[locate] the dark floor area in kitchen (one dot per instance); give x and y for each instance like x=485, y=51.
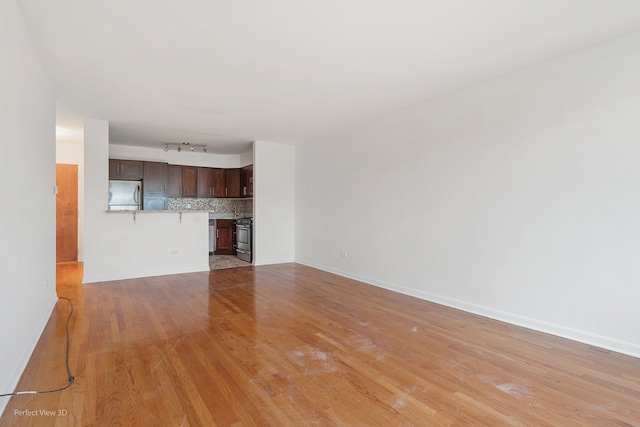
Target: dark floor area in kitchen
x=218, y=262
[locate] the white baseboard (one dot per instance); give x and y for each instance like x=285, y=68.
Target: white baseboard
x=585, y=337
x=19, y=368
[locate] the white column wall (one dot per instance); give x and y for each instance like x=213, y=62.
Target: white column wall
x=274, y=203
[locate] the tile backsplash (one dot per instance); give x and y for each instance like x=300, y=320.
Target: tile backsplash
x=232, y=206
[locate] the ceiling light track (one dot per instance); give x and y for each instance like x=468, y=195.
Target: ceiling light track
x=179, y=146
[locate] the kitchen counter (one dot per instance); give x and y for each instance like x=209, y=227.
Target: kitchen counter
x=212, y=215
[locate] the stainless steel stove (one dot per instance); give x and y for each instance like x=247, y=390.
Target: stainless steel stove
x=243, y=238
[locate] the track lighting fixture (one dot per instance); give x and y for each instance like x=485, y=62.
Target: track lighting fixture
x=180, y=145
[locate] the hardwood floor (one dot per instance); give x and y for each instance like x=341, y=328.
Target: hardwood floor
x=289, y=345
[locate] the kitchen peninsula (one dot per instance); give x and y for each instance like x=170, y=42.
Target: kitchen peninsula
x=224, y=194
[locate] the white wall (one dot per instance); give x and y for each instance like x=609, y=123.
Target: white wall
x=116, y=247
x=517, y=199
x=184, y=158
x=274, y=203
x=73, y=154
x=27, y=229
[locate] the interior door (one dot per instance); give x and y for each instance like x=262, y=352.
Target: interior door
x=67, y=213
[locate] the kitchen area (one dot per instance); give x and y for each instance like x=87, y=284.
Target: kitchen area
x=226, y=194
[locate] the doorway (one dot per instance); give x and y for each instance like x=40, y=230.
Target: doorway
x=67, y=213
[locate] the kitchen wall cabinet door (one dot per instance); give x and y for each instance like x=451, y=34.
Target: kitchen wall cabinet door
x=154, y=186
x=125, y=169
x=174, y=186
x=232, y=182
x=224, y=237
x=189, y=181
x=155, y=179
x=205, y=189
x=218, y=182
x=246, y=181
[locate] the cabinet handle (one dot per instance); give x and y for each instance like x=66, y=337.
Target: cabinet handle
x=244, y=190
x=217, y=233
x=226, y=191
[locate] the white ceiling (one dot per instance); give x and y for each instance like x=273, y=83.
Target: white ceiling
x=228, y=72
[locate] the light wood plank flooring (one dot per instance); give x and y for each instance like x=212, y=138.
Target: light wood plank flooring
x=289, y=345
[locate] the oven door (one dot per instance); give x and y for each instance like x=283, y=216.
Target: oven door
x=243, y=238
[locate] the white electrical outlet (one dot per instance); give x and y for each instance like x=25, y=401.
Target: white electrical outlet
x=174, y=252
x=46, y=283
x=343, y=254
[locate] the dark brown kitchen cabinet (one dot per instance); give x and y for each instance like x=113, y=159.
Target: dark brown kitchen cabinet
x=155, y=179
x=125, y=169
x=174, y=184
x=218, y=182
x=154, y=186
x=246, y=181
x=205, y=188
x=224, y=237
x=189, y=181
x=232, y=182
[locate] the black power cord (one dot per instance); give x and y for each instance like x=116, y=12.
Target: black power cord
x=71, y=378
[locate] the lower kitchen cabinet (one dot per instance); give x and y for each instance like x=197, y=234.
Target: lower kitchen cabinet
x=224, y=237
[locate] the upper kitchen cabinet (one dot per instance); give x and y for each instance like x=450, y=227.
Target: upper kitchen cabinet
x=154, y=186
x=232, y=182
x=125, y=169
x=189, y=181
x=218, y=181
x=174, y=184
x=246, y=181
x=205, y=189
x=155, y=178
